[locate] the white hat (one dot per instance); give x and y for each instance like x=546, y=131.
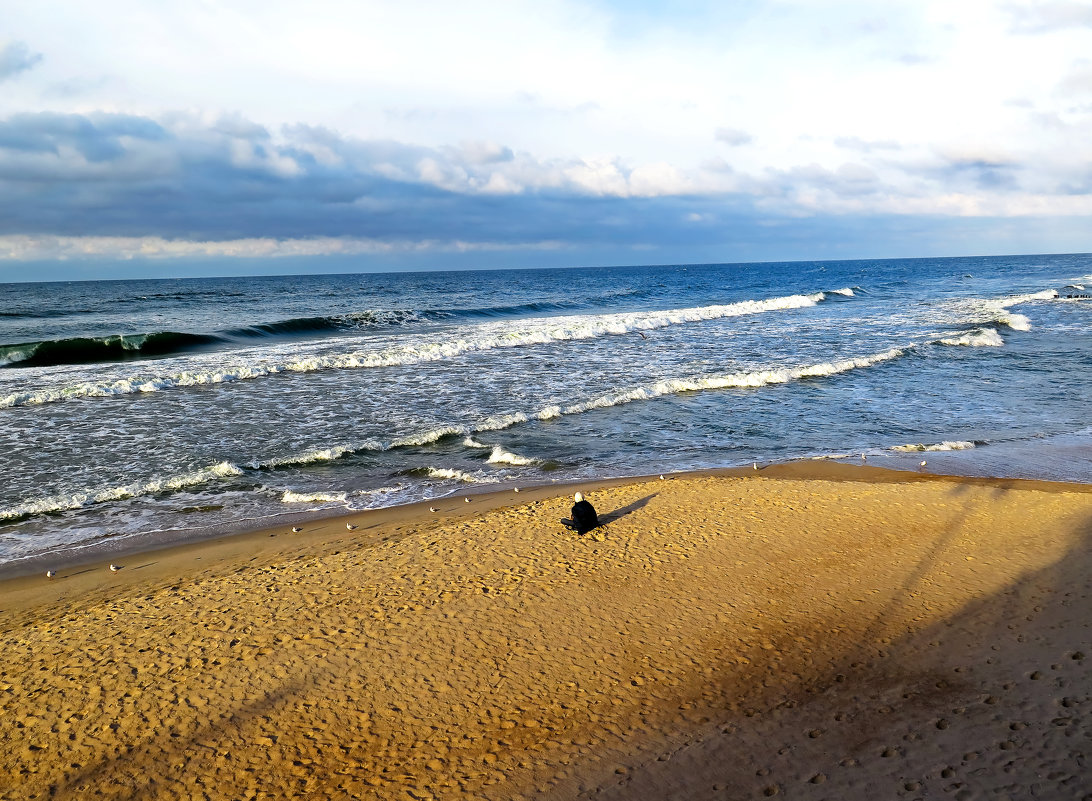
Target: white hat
x=578, y=497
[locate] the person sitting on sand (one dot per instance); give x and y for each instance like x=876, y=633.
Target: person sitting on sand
x=584, y=518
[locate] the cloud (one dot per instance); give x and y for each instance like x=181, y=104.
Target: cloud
x=49, y=247
x=861, y=145
x=16, y=57
x=1047, y=17
x=1078, y=81
x=732, y=136
x=82, y=186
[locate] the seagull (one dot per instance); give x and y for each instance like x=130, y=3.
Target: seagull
x=516, y=489
x=466, y=500
x=115, y=568
x=433, y=509
x=50, y=574
x=350, y=527
x=864, y=457
x=662, y=478
x=296, y=529
x=922, y=463
x=754, y=465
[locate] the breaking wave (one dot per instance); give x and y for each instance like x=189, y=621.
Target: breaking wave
x=314, y=497
x=488, y=337
x=979, y=338
x=940, y=446
x=498, y=455
x=502, y=456
x=749, y=380
x=55, y=504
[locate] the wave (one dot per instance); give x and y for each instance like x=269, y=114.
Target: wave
x=502, y=456
x=314, y=455
x=314, y=497
x=536, y=332
x=985, y=312
x=449, y=474
x=748, y=380
x=159, y=344
x=1019, y=322
x=1015, y=300
x=88, y=350
x=499, y=455
x=979, y=338
x=957, y=445
x=55, y=504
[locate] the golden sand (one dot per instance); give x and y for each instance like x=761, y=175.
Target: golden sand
x=815, y=632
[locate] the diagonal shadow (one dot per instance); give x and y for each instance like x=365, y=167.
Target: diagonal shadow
x=621, y=512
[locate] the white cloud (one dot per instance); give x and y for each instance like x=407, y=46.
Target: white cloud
x=16, y=57
x=38, y=248
x=838, y=106
x=732, y=136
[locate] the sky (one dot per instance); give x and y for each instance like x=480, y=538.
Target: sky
x=231, y=137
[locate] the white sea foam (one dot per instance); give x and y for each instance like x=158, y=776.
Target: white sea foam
x=12, y=355
x=1019, y=322
x=985, y=311
x=307, y=457
x=979, y=338
x=313, y=497
x=470, y=442
x=454, y=475
x=428, y=437
x=1015, y=300
x=78, y=500
x=754, y=379
x=956, y=445
x=502, y=456
x=499, y=455
x=500, y=421
x=485, y=337
x=847, y=292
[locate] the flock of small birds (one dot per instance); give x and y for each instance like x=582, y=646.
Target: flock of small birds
x=351, y=527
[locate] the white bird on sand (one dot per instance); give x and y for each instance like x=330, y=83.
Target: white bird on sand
x=466, y=500
x=350, y=527
x=516, y=489
x=296, y=529
x=662, y=478
x=754, y=465
x=115, y=568
x=50, y=574
x=922, y=463
x=433, y=509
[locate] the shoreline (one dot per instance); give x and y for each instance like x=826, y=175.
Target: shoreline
x=818, y=630
x=326, y=524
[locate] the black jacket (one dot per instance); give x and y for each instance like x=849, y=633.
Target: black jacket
x=584, y=516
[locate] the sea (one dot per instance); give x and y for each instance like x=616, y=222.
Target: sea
x=144, y=411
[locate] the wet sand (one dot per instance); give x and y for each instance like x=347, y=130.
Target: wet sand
x=806, y=631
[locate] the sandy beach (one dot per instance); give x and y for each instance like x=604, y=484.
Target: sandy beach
x=806, y=631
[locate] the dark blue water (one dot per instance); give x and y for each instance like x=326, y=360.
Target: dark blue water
x=161, y=407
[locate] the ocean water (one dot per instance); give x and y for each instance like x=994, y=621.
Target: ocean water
x=183, y=408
